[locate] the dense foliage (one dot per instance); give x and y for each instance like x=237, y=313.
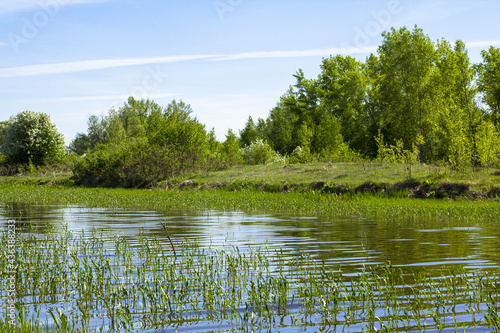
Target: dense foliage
x=141, y=143
x=422, y=97
x=31, y=138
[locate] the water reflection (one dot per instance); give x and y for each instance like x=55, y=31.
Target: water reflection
x=343, y=243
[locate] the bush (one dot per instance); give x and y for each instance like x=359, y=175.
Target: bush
x=277, y=158
x=30, y=138
x=260, y=152
x=300, y=155
x=143, y=143
x=132, y=164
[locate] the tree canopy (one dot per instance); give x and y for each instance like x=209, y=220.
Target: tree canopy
x=31, y=138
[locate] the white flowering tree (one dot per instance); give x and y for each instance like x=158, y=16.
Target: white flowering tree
x=31, y=138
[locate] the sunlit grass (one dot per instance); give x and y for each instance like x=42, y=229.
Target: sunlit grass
x=254, y=201
x=350, y=174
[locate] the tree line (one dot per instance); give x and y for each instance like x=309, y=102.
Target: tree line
x=415, y=99
x=415, y=95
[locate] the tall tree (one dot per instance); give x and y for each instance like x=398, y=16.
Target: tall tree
x=342, y=87
x=489, y=83
x=458, y=114
x=249, y=133
x=407, y=61
x=281, y=123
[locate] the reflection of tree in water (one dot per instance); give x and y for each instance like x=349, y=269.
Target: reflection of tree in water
x=400, y=242
x=36, y=218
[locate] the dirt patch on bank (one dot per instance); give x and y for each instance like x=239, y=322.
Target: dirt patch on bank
x=407, y=188
x=451, y=190
x=371, y=187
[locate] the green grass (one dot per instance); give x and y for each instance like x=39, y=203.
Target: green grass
x=350, y=174
x=69, y=283
x=254, y=201
x=243, y=193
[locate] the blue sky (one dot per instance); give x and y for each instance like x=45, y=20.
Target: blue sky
x=227, y=58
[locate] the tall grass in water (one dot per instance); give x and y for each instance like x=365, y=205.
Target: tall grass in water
x=101, y=282
x=304, y=204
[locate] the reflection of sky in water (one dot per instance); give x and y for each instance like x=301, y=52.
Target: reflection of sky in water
x=345, y=243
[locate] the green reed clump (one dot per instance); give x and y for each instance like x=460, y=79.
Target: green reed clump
x=253, y=201
x=93, y=282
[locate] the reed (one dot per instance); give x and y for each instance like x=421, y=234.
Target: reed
x=102, y=282
x=169, y=239
x=252, y=201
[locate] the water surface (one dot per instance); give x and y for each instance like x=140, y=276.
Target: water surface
x=349, y=245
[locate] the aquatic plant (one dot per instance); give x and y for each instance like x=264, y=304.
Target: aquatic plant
x=312, y=203
x=102, y=282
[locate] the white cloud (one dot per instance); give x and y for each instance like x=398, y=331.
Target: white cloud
x=78, y=66
x=298, y=53
x=483, y=43
x=3, y=44
x=101, y=98
x=10, y=6
x=87, y=65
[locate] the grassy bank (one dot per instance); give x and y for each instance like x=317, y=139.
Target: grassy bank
x=343, y=189
x=253, y=201
x=427, y=181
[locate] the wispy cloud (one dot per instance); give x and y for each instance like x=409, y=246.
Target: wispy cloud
x=297, y=53
x=101, y=98
x=87, y=65
x=11, y=6
x=483, y=43
x=79, y=66
x=3, y=44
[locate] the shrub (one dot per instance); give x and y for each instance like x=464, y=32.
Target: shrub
x=133, y=164
x=277, y=158
x=300, y=155
x=31, y=138
x=258, y=152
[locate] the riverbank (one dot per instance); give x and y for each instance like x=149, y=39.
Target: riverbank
x=348, y=179
x=252, y=201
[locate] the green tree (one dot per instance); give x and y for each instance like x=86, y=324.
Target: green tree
x=281, y=125
x=3, y=128
x=489, y=83
x=249, y=133
x=31, y=138
x=231, y=149
x=342, y=87
x=327, y=138
x=115, y=130
x=407, y=61
x=458, y=115
x=488, y=145
x=80, y=144
x=96, y=130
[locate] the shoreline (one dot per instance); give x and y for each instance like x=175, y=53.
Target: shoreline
x=349, y=179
